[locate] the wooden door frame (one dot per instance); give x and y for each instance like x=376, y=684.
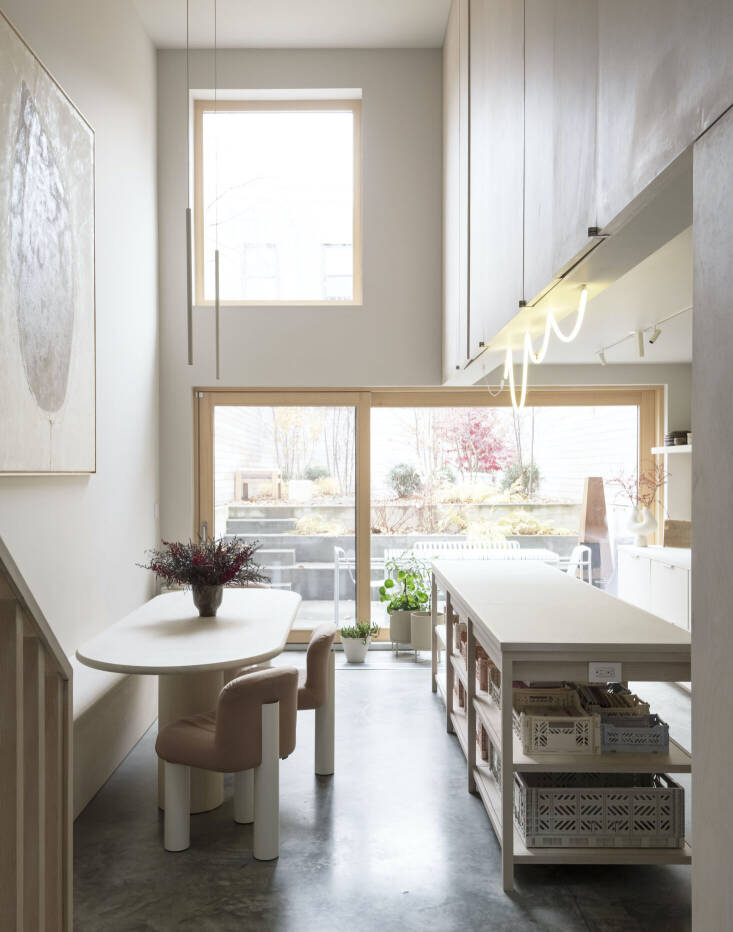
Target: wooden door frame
x=650, y=401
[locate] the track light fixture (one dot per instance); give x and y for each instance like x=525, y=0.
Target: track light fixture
x=655, y=334
x=602, y=357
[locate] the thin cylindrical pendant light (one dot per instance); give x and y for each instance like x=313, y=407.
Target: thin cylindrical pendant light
x=189, y=246
x=216, y=216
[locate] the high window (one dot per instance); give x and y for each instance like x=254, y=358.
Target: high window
x=277, y=191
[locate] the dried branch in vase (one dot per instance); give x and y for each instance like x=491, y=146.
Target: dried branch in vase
x=641, y=491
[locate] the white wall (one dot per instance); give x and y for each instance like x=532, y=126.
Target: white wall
x=395, y=338
x=76, y=539
x=712, y=592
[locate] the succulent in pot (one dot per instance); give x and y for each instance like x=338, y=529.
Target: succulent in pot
x=206, y=567
x=356, y=640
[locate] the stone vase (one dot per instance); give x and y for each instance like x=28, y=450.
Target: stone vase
x=207, y=599
x=641, y=523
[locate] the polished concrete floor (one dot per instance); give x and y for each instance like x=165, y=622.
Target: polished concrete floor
x=391, y=842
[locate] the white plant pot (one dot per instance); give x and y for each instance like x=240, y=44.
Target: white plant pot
x=641, y=523
x=356, y=649
x=421, y=629
x=400, y=627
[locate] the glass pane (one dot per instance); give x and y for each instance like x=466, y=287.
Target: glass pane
x=285, y=476
x=279, y=186
x=493, y=475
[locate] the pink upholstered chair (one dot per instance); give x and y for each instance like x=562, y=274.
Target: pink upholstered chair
x=316, y=691
x=252, y=728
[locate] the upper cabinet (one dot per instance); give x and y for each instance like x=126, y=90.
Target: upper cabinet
x=561, y=114
x=561, y=49
x=496, y=149
x=665, y=74
x=455, y=190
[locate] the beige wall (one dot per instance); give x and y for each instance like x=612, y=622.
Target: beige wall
x=76, y=539
x=395, y=338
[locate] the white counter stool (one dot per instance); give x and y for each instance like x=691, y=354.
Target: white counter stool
x=316, y=688
x=252, y=728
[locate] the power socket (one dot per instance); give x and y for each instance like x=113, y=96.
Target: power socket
x=604, y=672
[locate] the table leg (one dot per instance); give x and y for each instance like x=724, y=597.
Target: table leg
x=181, y=694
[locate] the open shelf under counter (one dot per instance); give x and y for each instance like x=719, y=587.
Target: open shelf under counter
x=460, y=669
x=488, y=790
x=538, y=625
x=676, y=760
x=677, y=448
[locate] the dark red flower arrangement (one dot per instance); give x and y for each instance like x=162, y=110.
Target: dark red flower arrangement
x=222, y=562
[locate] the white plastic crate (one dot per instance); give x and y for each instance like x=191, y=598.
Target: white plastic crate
x=553, y=720
x=599, y=810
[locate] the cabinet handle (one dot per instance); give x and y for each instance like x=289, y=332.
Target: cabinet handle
x=669, y=566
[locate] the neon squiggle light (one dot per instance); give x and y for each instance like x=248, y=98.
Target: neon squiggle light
x=529, y=355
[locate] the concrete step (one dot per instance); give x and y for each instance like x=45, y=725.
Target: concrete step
x=264, y=511
x=260, y=525
x=276, y=556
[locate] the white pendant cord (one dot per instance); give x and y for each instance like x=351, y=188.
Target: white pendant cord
x=189, y=243
x=216, y=208
x=528, y=354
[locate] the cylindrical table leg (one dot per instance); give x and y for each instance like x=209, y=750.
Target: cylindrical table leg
x=181, y=694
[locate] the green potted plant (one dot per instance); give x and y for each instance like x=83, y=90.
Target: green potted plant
x=356, y=640
x=405, y=590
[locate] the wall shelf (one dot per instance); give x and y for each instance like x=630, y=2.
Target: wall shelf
x=680, y=448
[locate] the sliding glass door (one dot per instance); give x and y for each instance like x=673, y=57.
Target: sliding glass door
x=332, y=483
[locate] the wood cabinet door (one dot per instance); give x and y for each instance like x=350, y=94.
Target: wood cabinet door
x=670, y=593
x=496, y=74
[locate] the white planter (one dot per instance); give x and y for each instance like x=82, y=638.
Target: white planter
x=399, y=627
x=421, y=629
x=356, y=649
x=641, y=523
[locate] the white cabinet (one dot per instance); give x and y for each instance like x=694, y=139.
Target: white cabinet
x=634, y=579
x=656, y=579
x=669, y=592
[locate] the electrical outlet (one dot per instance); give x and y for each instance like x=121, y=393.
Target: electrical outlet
x=604, y=672
x=156, y=511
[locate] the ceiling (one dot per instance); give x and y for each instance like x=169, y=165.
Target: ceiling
x=297, y=23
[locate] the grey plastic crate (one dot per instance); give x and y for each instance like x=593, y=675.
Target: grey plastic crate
x=641, y=734
x=599, y=810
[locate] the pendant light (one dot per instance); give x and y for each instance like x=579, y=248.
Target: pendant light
x=189, y=247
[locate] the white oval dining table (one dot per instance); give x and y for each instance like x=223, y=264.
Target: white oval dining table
x=193, y=657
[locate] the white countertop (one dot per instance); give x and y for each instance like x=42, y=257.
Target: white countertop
x=166, y=635
x=528, y=606
x=675, y=556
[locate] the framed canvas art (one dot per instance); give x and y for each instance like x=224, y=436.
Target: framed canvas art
x=47, y=303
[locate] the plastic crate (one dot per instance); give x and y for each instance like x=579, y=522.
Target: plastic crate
x=554, y=721
x=599, y=810
x=611, y=700
x=634, y=734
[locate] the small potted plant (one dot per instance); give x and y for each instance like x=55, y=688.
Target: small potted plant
x=405, y=591
x=356, y=640
x=206, y=567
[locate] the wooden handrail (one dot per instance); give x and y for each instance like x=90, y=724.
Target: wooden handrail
x=36, y=727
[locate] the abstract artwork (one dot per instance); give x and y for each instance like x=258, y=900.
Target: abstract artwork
x=47, y=312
